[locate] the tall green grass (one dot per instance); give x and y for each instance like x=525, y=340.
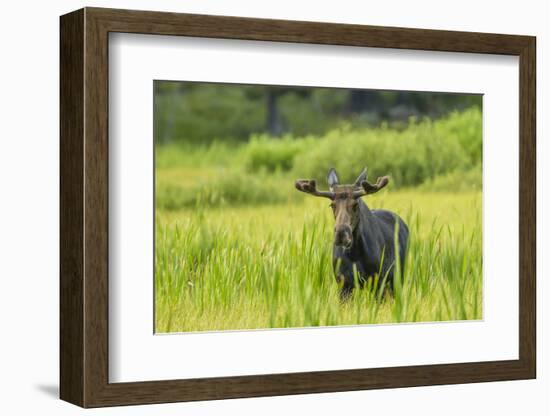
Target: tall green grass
x=270, y=266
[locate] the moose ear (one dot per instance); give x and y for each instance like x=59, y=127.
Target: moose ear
x=362, y=177
x=332, y=178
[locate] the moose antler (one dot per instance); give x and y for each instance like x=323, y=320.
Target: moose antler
x=380, y=183
x=309, y=186
x=369, y=188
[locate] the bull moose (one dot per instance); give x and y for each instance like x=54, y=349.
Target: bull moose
x=363, y=238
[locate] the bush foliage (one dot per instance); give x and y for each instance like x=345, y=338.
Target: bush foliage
x=414, y=155
x=441, y=155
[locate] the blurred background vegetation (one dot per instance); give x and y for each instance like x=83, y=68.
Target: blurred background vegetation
x=237, y=246
x=205, y=112
x=228, y=144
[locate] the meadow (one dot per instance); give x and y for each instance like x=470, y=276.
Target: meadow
x=237, y=247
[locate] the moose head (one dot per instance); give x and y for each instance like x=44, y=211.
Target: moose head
x=344, y=201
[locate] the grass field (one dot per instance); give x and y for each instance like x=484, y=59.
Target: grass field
x=237, y=247
x=270, y=266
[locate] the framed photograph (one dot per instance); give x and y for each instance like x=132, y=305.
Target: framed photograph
x=255, y=207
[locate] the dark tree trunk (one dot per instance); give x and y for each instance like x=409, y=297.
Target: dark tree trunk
x=402, y=98
x=176, y=96
x=358, y=101
x=274, y=122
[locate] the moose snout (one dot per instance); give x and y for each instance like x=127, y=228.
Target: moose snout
x=342, y=235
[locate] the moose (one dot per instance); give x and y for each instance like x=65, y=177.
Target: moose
x=364, y=243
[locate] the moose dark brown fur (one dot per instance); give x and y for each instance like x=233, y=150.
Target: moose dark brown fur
x=363, y=238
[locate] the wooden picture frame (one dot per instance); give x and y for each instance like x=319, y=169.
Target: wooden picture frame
x=84, y=207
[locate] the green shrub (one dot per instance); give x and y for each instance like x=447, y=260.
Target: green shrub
x=264, y=153
x=466, y=128
x=412, y=156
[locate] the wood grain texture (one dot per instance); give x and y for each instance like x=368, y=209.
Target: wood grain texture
x=84, y=207
x=96, y=208
x=71, y=185
x=226, y=27
x=527, y=208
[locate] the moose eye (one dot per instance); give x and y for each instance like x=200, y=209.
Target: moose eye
x=332, y=205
